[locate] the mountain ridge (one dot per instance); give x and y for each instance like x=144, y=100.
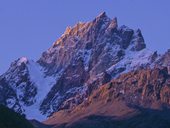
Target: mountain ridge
x=85, y=57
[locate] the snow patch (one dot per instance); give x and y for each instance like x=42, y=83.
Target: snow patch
x=22, y=60
x=132, y=60
x=43, y=84
x=86, y=58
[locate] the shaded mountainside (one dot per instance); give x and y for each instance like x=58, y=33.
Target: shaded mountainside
x=24, y=86
x=11, y=119
x=145, y=118
x=38, y=124
x=130, y=97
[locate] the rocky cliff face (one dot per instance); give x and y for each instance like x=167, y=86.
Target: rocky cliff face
x=164, y=60
x=86, y=56
x=24, y=86
x=145, y=87
x=16, y=85
x=119, y=99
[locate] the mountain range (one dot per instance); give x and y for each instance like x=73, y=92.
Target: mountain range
x=96, y=71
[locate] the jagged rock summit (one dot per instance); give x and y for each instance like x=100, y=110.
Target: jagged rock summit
x=85, y=57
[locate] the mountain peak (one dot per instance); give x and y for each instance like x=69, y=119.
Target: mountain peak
x=102, y=14
x=85, y=57
x=68, y=29
x=22, y=60
x=102, y=17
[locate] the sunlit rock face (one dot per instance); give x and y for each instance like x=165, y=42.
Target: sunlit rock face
x=121, y=98
x=85, y=53
x=86, y=56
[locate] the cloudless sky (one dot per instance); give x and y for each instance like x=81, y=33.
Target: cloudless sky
x=29, y=27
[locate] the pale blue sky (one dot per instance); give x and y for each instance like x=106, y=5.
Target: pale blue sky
x=29, y=27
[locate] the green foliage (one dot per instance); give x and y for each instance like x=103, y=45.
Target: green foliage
x=11, y=119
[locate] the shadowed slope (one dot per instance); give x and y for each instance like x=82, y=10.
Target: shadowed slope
x=146, y=118
x=11, y=119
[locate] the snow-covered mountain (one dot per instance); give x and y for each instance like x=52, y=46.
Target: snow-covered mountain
x=26, y=87
x=83, y=58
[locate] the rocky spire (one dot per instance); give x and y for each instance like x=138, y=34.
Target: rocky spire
x=102, y=17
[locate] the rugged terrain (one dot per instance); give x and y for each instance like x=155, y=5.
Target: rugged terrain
x=94, y=69
x=131, y=94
